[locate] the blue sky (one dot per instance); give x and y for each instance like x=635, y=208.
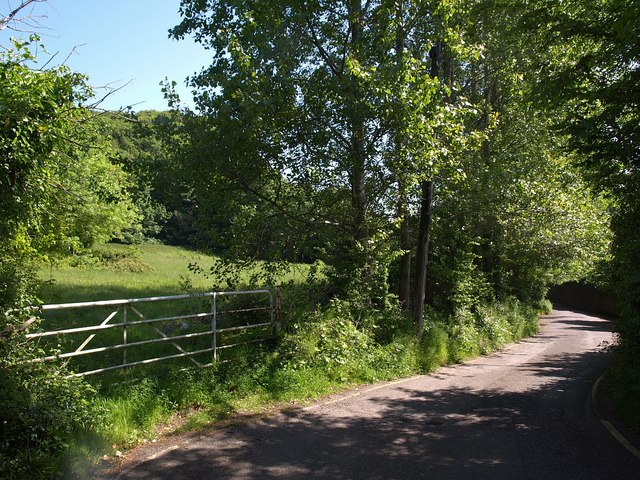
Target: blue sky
x=121, y=43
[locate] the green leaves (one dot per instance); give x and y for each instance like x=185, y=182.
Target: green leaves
x=319, y=122
x=58, y=190
x=316, y=114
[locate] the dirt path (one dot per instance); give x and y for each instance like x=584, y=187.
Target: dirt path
x=522, y=413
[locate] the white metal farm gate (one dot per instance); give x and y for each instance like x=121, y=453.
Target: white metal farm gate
x=200, y=325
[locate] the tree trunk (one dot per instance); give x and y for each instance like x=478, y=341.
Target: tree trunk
x=422, y=254
x=358, y=193
x=358, y=154
x=404, y=292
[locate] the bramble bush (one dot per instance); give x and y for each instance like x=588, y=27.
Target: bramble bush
x=41, y=409
x=341, y=344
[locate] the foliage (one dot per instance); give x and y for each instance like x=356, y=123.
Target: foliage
x=37, y=110
x=521, y=221
x=41, y=410
x=119, y=260
x=434, y=346
x=625, y=385
x=95, y=206
x=56, y=193
x=589, y=81
x=136, y=144
x=329, y=340
x=299, y=121
x=520, y=217
x=308, y=151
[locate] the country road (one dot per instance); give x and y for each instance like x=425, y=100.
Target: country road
x=522, y=413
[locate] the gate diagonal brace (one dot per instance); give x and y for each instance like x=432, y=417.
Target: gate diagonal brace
x=92, y=336
x=163, y=335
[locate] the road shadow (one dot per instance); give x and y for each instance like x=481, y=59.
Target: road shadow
x=413, y=433
x=596, y=326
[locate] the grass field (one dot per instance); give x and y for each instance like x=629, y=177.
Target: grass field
x=124, y=272
x=161, y=270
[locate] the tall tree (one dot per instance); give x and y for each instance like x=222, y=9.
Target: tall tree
x=425, y=213
x=519, y=218
x=589, y=78
x=57, y=189
x=333, y=101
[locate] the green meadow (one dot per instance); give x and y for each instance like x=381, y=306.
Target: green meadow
x=319, y=351
x=120, y=271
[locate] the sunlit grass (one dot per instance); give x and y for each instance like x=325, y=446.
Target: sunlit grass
x=167, y=274
x=298, y=368
x=165, y=271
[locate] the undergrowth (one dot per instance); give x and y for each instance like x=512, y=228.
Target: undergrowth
x=320, y=350
x=326, y=351
x=624, y=379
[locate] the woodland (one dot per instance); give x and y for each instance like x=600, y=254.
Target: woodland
x=425, y=159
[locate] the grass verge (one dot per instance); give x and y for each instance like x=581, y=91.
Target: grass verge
x=321, y=354
x=320, y=351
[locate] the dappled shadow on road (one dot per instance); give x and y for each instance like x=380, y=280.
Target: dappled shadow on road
x=583, y=321
x=596, y=326
x=537, y=431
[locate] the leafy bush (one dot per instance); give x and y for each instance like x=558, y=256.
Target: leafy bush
x=40, y=412
x=625, y=383
x=121, y=259
x=495, y=327
x=434, y=347
x=398, y=358
x=389, y=322
x=543, y=307
x=327, y=340
x=112, y=257
x=464, y=338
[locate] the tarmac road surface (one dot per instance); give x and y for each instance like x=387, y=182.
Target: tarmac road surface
x=522, y=413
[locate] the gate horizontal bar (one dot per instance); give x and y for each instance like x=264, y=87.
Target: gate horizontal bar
x=119, y=347
x=106, y=303
x=141, y=362
x=243, y=327
x=245, y=343
x=115, y=325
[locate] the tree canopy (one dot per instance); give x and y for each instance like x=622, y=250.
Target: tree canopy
x=336, y=119
x=590, y=83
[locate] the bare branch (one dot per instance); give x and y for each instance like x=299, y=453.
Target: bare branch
x=110, y=91
x=323, y=53
x=4, y=23
x=300, y=218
